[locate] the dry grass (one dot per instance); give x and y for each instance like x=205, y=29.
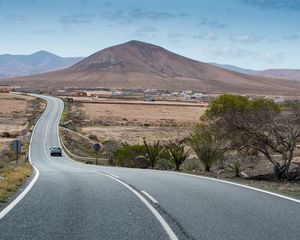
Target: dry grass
x=132, y=123
x=283, y=187
x=11, y=179
x=141, y=114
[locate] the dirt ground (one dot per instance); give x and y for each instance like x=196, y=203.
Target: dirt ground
x=17, y=112
x=13, y=112
x=132, y=123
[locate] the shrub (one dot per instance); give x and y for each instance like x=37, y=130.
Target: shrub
x=153, y=152
x=176, y=153
x=125, y=156
x=164, y=164
x=5, y=134
x=93, y=137
x=235, y=167
x=141, y=162
x=191, y=165
x=207, y=142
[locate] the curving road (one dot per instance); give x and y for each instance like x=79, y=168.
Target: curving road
x=70, y=200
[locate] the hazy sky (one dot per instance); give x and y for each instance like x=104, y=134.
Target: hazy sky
x=248, y=33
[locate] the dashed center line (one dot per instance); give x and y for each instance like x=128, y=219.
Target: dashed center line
x=150, y=197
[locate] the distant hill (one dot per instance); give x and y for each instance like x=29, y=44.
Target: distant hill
x=290, y=74
x=142, y=65
x=36, y=63
x=234, y=68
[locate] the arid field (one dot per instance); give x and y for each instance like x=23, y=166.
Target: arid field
x=132, y=123
x=13, y=112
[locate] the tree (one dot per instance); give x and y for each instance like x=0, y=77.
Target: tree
x=153, y=152
x=261, y=125
x=208, y=143
x=176, y=153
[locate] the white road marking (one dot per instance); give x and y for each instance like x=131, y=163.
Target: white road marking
x=150, y=197
x=162, y=221
x=240, y=185
x=114, y=176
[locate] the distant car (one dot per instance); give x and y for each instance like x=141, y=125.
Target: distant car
x=55, y=151
x=149, y=99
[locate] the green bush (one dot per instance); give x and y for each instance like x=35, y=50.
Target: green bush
x=236, y=168
x=164, y=164
x=125, y=156
x=208, y=144
x=176, y=153
x=153, y=152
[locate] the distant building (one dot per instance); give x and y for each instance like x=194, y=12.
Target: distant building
x=121, y=93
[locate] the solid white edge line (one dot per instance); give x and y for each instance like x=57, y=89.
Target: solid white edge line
x=150, y=197
x=10, y=206
x=240, y=185
x=162, y=221
x=114, y=176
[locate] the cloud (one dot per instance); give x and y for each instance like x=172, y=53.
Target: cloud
x=76, y=18
x=212, y=23
x=211, y=36
x=176, y=35
x=245, y=38
x=118, y=16
x=44, y=31
x=107, y=4
x=184, y=15
x=15, y=18
x=274, y=4
x=145, y=31
x=291, y=37
x=152, y=15
x=141, y=14
x=229, y=52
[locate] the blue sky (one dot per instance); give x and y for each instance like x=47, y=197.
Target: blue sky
x=255, y=34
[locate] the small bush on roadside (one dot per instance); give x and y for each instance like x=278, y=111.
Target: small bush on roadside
x=125, y=156
x=176, y=153
x=141, y=162
x=153, y=152
x=5, y=135
x=236, y=168
x=208, y=144
x=164, y=164
x=93, y=137
x=191, y=165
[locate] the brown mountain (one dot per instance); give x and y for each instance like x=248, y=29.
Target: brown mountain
x=291, y=74
x=141, y=65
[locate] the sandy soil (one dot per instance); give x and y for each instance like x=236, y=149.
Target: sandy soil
x=141, y=114
x=13, y=110
x=132, y=123
x=133, y=134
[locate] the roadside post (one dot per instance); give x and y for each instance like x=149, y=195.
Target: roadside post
x=97, y=148
x=17, y=147
x=24, y=131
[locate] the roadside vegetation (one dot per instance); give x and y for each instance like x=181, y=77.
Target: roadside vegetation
x=249, y=140
x=13, y=177
x=13, y=173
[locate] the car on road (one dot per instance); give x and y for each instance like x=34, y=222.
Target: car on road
x=55, y=151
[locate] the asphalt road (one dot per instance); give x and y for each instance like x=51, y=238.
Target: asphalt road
x=71, y=200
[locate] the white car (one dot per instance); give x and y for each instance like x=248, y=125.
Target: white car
x=56, y=151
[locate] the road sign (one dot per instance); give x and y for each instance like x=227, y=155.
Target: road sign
x=97, y=147
x=17, y=147
x=24, y=131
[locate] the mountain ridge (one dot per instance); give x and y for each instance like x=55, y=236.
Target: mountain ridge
x=35, y=63
x=136, y=64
